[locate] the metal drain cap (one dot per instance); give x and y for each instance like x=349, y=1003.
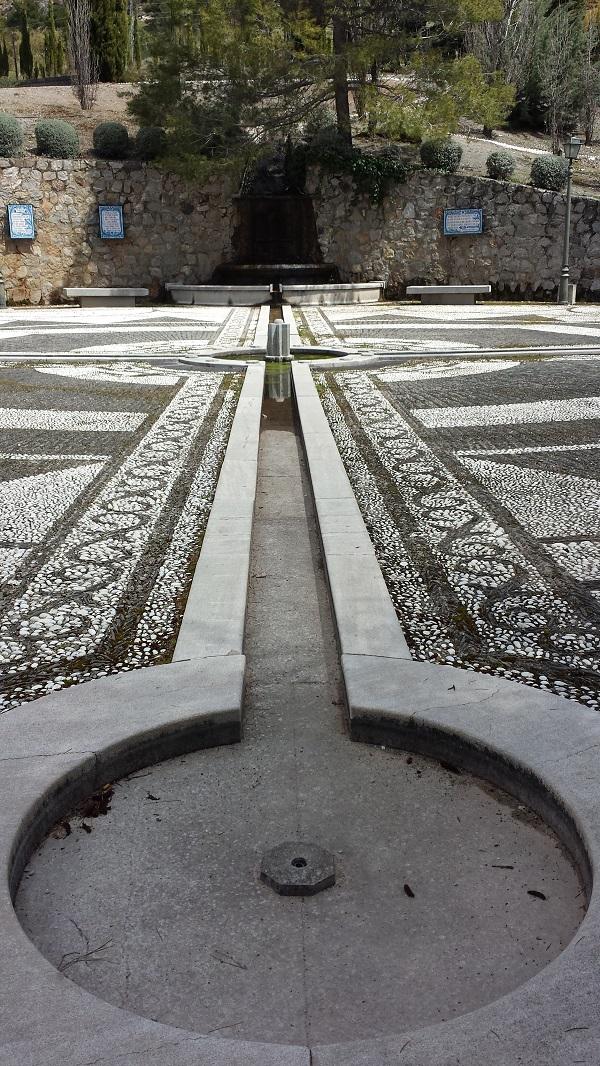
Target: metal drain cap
x=298, y=869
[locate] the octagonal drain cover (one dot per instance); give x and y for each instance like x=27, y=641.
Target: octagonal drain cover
x=294, y=869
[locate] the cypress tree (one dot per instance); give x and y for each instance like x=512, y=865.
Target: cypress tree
x=25, y=53
x=51, y=45
x=121, y=39
x=60, y=54
x=137, y=47
x=110, y=38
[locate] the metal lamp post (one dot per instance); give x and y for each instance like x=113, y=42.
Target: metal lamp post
x=571, y=147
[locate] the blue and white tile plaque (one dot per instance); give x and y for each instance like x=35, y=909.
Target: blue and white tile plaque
x=21, y=222
x=112, y=226
x=463, y=221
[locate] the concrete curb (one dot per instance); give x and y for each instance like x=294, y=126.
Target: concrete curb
x=541, y=748
x=213, y=621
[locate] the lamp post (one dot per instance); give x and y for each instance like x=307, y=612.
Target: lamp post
x=571, y=146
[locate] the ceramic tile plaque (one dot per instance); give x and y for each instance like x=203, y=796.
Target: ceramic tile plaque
x=21, y=222
x=112, y=226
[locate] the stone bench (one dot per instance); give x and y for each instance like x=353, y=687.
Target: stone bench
x=114, y=297
x=219, y=295
x=365, y=292
x=448, y=294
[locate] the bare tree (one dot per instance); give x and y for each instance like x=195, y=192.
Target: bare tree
x=82, y=60
x=560, y=72
x=590, y=80
x=507, y=44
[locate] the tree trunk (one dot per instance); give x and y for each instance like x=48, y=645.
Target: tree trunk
x=340, y=80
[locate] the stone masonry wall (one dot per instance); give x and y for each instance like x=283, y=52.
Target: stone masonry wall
x=179, y=231
x=402, y=240
x=175, y=230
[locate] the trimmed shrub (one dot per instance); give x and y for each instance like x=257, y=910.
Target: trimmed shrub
x=549, y=172
x=111, y=140
x=150, y=142
x=11, y=136
x=500, y=165
x=56, y=138
x=441, y=154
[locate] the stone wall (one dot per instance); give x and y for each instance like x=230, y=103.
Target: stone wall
x=180, y=231
x=402, y=240
x=175, y=230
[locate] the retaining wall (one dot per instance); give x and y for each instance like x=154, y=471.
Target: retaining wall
x=402, y=240
x=181, y=231
x=175, y=230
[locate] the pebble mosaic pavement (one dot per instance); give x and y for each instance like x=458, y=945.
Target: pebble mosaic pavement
x=429, y=328
x=480, y=485
x=107, y=475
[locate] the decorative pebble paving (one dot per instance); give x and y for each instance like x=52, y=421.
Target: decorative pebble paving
x=487, y=530
x=98, y=547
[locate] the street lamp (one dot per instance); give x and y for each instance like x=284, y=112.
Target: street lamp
x=571, y=147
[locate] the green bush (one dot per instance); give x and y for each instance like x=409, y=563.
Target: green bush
x=372, y=173
x=500, y=165
x=441, y=155
x=549, y=172
x=56, y=138
x=111, y=140
x=11, y=137
x=150, y=142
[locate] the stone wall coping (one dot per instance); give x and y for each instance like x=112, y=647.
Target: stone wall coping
x=539, y=747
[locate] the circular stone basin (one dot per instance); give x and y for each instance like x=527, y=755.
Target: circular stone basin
x=448, y=893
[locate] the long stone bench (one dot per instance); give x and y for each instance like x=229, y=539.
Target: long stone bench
x=109, y=297
x=219, y=295
x=448, y=294
x=364, y=292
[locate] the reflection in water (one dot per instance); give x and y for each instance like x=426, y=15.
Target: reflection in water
x=278, y=382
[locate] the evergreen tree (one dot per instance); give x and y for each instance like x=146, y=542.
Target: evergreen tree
x=122, y=56
x=60, y=54
x=137, y=46
x=226, y=72
x=25, y=52
x=110, y=38
x=51, y=40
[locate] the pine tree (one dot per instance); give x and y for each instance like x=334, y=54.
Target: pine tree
x=25, y=53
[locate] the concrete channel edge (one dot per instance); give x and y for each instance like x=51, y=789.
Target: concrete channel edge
x=541, y=748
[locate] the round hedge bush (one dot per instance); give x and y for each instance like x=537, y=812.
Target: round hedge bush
x=11, y=136
x=111, y=140
x=56, y=138
x=150, y=142
x=500, y=165
x=549, y=172
x=441, y=155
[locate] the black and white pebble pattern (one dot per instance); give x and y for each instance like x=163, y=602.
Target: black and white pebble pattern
x=464, y=590
x=97, y=552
